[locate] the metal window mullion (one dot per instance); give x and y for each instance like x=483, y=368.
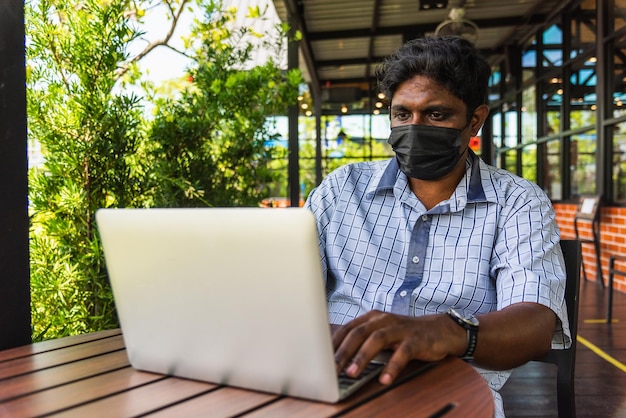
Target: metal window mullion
x=566, y=72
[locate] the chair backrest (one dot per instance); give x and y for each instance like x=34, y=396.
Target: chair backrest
x=565, y=359
x=573, y=258
x=588, y=208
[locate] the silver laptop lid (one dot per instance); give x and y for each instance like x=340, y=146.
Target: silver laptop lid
x=225, y=295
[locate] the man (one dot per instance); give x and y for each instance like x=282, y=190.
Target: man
x=405, y=240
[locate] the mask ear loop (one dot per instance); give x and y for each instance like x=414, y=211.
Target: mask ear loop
x=469, y=123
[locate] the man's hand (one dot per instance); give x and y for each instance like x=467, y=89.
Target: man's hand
x=427, y=338
x=507, y=338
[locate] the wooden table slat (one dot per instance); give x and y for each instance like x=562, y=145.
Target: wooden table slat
x=54, y=358
x=48, y=345
x=44, y=379
x=446, y=386
x=141, y=400
x=92, y=377
x=79, y=392
x=223, y=402
x=301, y=408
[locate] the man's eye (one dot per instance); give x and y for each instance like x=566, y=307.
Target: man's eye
x=402, y=115
x=437, y=115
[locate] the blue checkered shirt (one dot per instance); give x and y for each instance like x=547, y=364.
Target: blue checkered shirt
x=494, y=243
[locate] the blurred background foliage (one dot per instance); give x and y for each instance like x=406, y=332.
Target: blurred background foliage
x=201, y=145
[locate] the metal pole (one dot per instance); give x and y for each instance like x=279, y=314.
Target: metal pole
x=318, y=141
x=15, y=321
x=293, y=170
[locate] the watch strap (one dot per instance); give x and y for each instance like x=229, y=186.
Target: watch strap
x=472, y=340
x=472, y=334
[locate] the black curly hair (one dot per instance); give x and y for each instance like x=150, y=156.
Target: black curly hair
x=451, y=61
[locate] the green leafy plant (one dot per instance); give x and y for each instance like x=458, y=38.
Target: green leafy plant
x=204, y=147
x=209, y=145
x=89, y=135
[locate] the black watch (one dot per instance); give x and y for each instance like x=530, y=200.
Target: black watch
x=470, y=323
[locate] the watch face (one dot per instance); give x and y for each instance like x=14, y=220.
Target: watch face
x=470, y=320
x=470, y=323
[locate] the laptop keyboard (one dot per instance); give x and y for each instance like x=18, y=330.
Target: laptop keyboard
x=371, y=370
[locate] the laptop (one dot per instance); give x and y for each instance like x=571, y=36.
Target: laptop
x=233, y=296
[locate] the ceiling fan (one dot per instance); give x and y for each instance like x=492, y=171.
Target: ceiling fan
x=456, y=24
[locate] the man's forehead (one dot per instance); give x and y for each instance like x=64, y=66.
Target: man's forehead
x=427, y=92
x=431, y=103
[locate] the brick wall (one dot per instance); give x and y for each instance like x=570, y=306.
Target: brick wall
x=612, y=239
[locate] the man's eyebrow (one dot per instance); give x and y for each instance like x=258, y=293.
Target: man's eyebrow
x=440, y=109
x=429, y=109
x=398, y=107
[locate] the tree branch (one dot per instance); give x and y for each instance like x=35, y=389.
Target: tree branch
x=175, y=14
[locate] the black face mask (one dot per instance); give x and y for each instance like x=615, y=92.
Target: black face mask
x=426, y=152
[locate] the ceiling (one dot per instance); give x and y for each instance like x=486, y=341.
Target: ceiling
x=344, y=40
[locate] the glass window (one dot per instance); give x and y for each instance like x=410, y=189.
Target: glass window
x=495, y=82
x=529, y=162
x=583, y=117
x=583, y=163
x=553, y=124
x=583, y=29
x=352, y=138
x=619, y=76
x=552, y=41
x=496, y=129
x=583, y=100
x=510, y=129
x=619, y=163
x=552, y=169
x=527, y=75
x=529, y=59
x=553, y=93
x=529, y=115
x=552, y=58
x=553, y=36
x=510, y=161
x=546, y=94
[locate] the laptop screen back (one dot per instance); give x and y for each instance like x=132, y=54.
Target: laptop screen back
x=226, y=295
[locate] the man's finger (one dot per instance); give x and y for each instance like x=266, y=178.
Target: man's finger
x=394, y=366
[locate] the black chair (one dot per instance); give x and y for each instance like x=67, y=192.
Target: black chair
x=612, y=272
x=588, y=211
x=565, y=359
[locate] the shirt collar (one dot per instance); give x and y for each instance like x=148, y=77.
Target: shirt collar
x=389, y=175
x=475, y=190
x=385, y=179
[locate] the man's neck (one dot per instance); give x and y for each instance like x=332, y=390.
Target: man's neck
x=433, y=192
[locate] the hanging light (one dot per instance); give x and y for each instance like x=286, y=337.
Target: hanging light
x=432, y=4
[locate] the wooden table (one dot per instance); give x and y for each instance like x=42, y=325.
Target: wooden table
x=89, y=376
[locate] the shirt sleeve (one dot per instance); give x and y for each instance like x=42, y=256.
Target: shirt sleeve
x=321, y=201
x=528, y=262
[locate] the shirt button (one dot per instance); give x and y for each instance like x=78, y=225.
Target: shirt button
x=403, y=293
x=424, y=218
x=416, y=259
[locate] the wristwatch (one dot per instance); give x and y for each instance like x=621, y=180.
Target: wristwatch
x=470, y=323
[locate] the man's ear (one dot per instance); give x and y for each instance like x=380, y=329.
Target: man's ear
x=478, y=118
